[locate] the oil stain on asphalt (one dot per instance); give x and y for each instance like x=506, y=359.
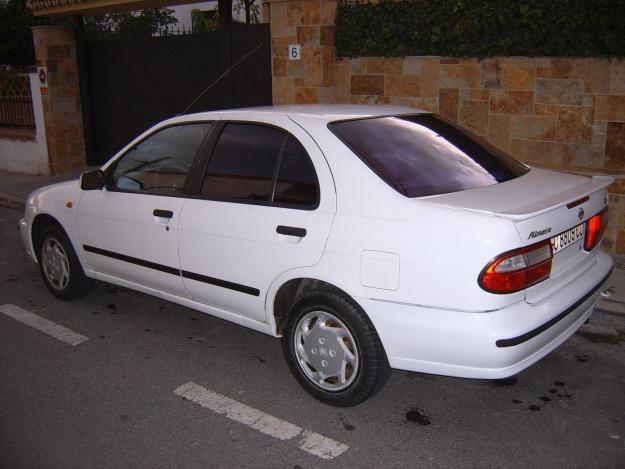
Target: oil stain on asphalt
x=417, y=416
x=346, y=425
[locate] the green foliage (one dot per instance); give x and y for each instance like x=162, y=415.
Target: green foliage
x=481, y=28
x=204, y=21
x=129, y=25
x=16, y=39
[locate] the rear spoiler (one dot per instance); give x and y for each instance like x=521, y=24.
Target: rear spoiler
x=537, y=192
x=546, y=205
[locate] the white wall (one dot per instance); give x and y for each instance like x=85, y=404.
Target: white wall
x=183, y=12
x=27, y=156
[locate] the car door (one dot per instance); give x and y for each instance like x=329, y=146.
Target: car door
x=262, y=207
x=129, y=229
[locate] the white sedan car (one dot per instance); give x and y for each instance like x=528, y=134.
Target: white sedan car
x=367, y=237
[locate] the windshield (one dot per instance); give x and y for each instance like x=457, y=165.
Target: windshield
x=420, y=155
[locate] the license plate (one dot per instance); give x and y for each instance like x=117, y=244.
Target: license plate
x=569, y=237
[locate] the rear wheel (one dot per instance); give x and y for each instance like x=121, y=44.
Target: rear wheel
x=333, y=349
x=59, y=266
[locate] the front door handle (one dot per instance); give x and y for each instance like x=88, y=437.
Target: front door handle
x=162, y=213
x=291, y=231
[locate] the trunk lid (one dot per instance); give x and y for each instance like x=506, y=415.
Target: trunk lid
x=542, y=204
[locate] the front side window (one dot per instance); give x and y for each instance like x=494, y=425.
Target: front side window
x=160, y=163
x=421, y=155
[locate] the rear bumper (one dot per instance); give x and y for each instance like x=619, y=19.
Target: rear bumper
x=490, y=345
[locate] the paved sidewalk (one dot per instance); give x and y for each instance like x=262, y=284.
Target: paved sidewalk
x=15, y=188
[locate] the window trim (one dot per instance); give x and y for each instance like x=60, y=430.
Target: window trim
x=205, y=158
x=110, y=170
x=378, y=173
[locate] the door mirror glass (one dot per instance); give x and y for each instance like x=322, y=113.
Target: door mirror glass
x=92, y=180
x=129, y=184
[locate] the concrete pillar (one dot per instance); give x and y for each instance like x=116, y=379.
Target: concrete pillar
x=55, y=48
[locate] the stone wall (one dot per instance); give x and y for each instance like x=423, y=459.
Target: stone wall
x=566, y=114
x=311, y=24
x=55, y=48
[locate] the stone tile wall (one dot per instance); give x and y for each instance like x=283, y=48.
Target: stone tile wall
x=566, y=114
x=311, y=24
x=55, y=48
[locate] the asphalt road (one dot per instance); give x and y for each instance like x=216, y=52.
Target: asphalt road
x=110, y=401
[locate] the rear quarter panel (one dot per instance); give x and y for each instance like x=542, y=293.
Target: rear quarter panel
x=441, y=250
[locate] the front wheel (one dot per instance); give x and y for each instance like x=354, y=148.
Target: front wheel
x=333, y=350
x=60, y=268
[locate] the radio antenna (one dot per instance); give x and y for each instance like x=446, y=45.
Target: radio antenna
x=221, y=76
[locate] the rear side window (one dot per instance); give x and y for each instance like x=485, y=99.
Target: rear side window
x=421, y=155
x=243, y=163
x=297, y=181
x=257, y=163
x=160, y=163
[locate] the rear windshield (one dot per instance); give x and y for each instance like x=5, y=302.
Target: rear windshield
x=420, y=155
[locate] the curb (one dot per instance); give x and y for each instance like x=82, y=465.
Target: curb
x=12, y=199
x=611, y=307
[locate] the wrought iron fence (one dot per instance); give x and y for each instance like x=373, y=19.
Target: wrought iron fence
x=16, y=103
x=170, y=30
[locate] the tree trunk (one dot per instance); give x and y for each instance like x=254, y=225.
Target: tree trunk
x=225, y=14
x=248, y=6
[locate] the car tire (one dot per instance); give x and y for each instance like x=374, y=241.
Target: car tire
x=333, y=349
x=59, y=266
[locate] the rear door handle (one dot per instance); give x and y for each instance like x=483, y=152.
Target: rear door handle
x=291, y=231
x=162, y=213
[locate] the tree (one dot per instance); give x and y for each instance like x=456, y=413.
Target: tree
x=251, y=8
x=130, y=25
x=204, y=21
x=16, y=39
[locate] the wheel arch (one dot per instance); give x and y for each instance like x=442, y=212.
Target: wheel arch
x=288, y=293
x=39, y=223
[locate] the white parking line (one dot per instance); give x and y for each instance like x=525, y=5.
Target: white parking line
x=310, y=442
x=47, y=327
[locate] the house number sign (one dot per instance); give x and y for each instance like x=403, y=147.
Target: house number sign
x=295, y=52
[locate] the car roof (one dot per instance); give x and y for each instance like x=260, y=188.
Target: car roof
x=325, y=112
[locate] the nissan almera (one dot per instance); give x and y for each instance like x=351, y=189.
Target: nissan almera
x=367, y=238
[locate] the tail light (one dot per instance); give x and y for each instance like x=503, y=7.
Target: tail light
x=595, y=227
x=519, y=269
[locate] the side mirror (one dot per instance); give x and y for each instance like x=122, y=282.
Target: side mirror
x=91, y=180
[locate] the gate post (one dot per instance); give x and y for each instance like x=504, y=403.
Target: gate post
x=309, y=23
x=55, y=49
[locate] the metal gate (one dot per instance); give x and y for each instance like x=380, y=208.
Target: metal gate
x=135, y=83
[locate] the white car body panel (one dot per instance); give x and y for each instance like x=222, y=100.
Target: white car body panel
x=244, y=247
x=462, y=344
x=125, y=224
x=53, y=200
x=412, y=264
